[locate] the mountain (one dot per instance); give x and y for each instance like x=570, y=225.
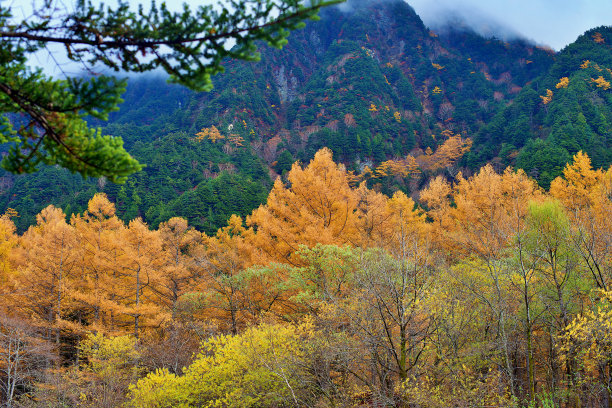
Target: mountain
x=371, y=82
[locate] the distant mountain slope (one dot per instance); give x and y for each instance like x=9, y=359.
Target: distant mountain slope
x=561, y=112
x=369, y=81
x=370, y=63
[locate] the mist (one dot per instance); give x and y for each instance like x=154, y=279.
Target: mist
x=554, y=23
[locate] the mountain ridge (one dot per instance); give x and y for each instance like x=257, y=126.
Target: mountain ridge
x=370, y=81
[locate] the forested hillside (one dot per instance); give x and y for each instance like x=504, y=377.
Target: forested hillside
x=372, y=84
x=379, y=214
x=560, y=113
x=329, y=294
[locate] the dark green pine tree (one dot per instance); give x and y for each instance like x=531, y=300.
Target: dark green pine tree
x=189, y=45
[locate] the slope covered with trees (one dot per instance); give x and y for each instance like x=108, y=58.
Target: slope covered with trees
x=372, y=84
x=558, y=114
x=376, y=215
x=489, y=291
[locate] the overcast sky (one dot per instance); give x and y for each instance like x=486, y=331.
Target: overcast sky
x=555, y=23
x=551, y=22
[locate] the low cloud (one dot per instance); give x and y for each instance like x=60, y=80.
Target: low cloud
x=555, y=23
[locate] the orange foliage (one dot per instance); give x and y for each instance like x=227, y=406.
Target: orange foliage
x=236, y=140
x=488, y=209
x=546, y=99
x=321, y=207
x=563, y=83
x=317, y=208
x=211, y=133
x=446, y=155
x=601, y=83
x=597, y=38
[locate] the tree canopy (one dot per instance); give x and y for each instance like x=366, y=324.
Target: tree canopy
x=42, y=118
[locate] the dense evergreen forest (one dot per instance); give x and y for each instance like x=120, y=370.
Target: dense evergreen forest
x=378, y=214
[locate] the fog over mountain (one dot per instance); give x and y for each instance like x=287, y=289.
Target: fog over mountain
x=555, y=23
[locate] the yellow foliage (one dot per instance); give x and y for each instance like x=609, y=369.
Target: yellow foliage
x=437, y=66
x=601, y=83
x=373, y=108
x=585, y=64
x=464, y=388
x=262, y=367
x=211, y=133
x=436, y=90
x=563, y=83
x=546, y=99
x=108, y=356
x=590, y=334
x=111, y=363
x=236, y=140
x=579, y=179
x=398, y=117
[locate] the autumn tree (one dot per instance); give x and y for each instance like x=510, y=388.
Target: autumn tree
x=23, y=354
x=487, y=215
x=588, y=337
x=386, y=319
x=211, y=133
x=98, y=231
x=318, y=207
x=563, y=83
x=446, y=155
x=180, y=245
x=47, y=267
x=261, y=367
x=487, y=210
x=222, y=289
x=109, y=365
x=585, y=193
x=8, y=240
x=548, y=241
x=326, y=277
x=175, y=329
x=139, y=275
x=548, y=98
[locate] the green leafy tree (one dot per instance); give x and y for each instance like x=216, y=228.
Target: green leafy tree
x=189, y=45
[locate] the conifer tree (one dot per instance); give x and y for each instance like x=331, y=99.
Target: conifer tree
x=189, y=45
